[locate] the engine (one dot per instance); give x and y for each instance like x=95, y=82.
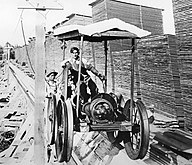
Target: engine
x=101, y=109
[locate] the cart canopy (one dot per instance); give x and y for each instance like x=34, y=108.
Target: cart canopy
x=110, y=29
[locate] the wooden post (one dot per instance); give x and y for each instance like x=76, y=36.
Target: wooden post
x=65, y=73
x=137, y=75
x=79, y=76
x=105, y=49
x=112, y=70
x=39, y=143
x=93, y=55
x=132, y=76
x=8, y=47
x=8, y=58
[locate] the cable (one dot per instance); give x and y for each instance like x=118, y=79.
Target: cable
x=26, y=47
x=20, y=17
x=59, y=4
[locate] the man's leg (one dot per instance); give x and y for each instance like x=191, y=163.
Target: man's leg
x=83, y=92
x=93, y=88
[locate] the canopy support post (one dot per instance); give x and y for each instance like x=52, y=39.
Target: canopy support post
x=137, y=76
x=105, y=49
x=133, y=43
x=112, y=71
x=65, y=72
x=79, y=76
x=93, y=55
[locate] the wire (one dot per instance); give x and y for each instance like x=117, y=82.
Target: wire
x=20, y=17
x=26, y=47
x=59, y=4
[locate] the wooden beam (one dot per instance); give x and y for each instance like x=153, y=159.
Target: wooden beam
x=105, y=49
x=79, y=76
x=39, y=142
x=132, y=76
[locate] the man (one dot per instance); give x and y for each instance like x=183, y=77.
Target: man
x=73, y=65
x=51, y=86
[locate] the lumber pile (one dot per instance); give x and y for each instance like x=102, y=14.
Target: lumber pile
x=183, y=26
x=158, y=63
x=171, y=147
x=158, y=70
x=144, y=17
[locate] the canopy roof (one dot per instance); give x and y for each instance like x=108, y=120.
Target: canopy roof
x=110, y=29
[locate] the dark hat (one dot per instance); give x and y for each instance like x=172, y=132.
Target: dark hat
x=52, y=72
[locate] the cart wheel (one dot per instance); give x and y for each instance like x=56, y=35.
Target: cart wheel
x=117, y=136
x=64, y=133
x=50, y=120
x=137, y=142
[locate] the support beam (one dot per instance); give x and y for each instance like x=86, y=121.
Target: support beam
x=132, y=76
x=39, y=142
x=105, y=49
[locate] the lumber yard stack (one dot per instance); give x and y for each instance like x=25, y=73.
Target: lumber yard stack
x=144, y=17
x=183, y=26
x=171, y=147
x=147, y=18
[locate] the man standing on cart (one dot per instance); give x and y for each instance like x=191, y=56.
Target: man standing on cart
x=85, y=80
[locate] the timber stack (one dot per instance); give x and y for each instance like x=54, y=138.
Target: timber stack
x=144, y=17
x=182, y=17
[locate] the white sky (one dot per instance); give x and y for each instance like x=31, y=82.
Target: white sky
x=10, y=16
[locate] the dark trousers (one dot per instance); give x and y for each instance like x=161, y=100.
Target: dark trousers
x=93, y=89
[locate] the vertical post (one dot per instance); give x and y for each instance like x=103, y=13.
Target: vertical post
x=112, y=69
x=93, y=55
x=137, y=75
x=65, y=73
x=7, y=57
x=8, y=63
x=39, y=143
x=132, y=76
x=79, y=75
x=63, y=48
x=105, y=49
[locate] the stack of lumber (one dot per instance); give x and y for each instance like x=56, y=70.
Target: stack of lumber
x=183, y=27
x=145, y=17
x=158, y=64
x=171, y=147
x=158, y=69
x=161, y=154
x=98, y=11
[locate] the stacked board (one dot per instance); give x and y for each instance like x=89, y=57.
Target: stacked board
x=182, y=10
x=144, y=17
x=147, y=18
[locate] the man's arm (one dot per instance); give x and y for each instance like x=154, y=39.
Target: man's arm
x=96, y=72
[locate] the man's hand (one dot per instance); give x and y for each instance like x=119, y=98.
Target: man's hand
x=66, y=64
x=101, y=77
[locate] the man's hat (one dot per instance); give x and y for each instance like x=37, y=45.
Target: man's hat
x=52, y=72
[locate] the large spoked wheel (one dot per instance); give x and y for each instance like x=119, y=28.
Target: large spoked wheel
x=137, y=141
x=64, y=132
x=50, y=120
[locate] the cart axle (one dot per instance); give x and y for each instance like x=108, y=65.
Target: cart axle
x=123, y=126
